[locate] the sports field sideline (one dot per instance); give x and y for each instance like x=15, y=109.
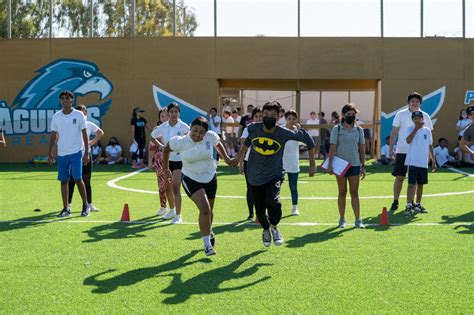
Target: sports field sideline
x=97, y=264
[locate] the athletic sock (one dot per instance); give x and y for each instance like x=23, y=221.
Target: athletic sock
x=207, y=240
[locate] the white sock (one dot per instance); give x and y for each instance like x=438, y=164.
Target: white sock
x=295, y=207
x=173, y=210
x=207, y=240
x=178, y=216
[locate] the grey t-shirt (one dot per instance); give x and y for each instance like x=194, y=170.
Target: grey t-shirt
x=347, y=143
x=266, y=151
x=469, y=133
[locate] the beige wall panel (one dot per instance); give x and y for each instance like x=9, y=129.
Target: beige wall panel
x=423, y=59
x=269, y=58
x=341, y=58
x=469, y=60
x=180, y=57
x=114, y=56
x=20, y=58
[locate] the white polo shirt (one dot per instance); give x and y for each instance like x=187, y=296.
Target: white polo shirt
x=291, y=157
x=197, y=157
x=441, y=155
x=166, y=131
x=217, y=120
x=419, y=148
x=403, y=121
x=113, y=151
x=69, y=128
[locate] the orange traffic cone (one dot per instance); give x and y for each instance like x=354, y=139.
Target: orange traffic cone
x=125, y=214
x=384, y=217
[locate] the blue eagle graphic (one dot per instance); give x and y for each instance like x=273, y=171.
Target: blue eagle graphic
x=432, y=104
x=188, y=111
x=81, y=77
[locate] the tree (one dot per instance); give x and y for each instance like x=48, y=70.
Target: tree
x=111, y=18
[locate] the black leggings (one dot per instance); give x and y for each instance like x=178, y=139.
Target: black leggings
x=141, y=148
x=86, y=177
x=249, y=192
x=267, y=197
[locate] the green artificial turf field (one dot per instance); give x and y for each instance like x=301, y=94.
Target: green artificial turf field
x=421, y=264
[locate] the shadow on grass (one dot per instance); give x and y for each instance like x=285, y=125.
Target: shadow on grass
x=235, y=227
x=32, y=221
x=210, y=282
x=122, y=230
x=319, y=237
x=467, y=218
x=133, y=277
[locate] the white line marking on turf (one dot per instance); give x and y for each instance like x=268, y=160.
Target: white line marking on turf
x=460, y=172
x=160, y=222
x=113, y=184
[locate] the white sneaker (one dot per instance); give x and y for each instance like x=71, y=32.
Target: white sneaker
x=169, y=215
x=295, y=212
x=177, y=220
x=93, y=207
x=161, y=212
x=209, y=251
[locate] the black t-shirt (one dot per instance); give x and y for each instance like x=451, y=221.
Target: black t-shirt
x=139, y=124
x=245, y=120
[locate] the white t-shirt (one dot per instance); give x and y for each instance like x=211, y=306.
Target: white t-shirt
x=113, y=151
x=236, y=129
x=244, y=135
x=419, y=148
x=228, y=120
x=403, y=121
x=96, y=150
x=385, y=150
x=69, y=128
x=197, y=157
x=463, y=124
x=166, y=131
x=291, y=157
x=217, y=120
x=91, y=129
x=467, y=156
x=441, y=155
x=281, y=121
x=313, y=132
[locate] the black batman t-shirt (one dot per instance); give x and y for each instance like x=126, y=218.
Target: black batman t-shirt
x=266, y=156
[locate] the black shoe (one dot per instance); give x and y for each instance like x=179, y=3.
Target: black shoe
x=267, y=238
x=394, y=206
x=213, y=239
x=64, y=213
x=85, y=211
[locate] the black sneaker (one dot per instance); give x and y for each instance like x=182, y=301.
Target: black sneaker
x=277, y=237
x=267, y=238
x=408, y=210
x=208, y=250
x=394, y=206
x=85, y=211
x=419, y=208
x=213, y=239
x=64, y=213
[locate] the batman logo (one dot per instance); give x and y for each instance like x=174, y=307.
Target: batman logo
x=265, y=146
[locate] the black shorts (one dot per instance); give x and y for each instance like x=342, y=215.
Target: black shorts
x=400, y=169
x=353, y=171
x=417, y=175
x=191, y=186
x=175, y=165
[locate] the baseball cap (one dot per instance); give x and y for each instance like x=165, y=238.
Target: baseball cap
x=416, y=113
x=470, y=109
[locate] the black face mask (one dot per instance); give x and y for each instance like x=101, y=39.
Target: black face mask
x=350, y=119
x=269, y=122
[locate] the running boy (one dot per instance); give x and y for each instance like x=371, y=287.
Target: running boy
x=265, y=167
x=420, y=149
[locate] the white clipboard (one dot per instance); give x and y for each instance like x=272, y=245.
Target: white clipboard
x=339, y=166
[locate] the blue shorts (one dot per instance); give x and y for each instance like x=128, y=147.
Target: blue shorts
x=70, y=165
x=353, y=171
